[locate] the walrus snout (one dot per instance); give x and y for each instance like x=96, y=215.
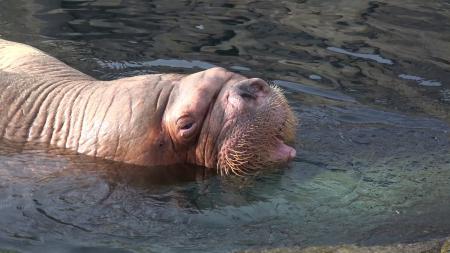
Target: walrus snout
x=261, y=129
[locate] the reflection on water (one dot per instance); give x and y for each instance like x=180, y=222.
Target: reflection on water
x=373, y=57
x=369, y=81
x=420, y=80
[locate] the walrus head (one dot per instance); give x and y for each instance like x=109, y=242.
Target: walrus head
x=226, y=121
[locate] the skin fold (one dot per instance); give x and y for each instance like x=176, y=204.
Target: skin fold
x=214, y=118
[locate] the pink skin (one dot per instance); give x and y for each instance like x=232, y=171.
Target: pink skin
x=146, y=120
x=283, y=152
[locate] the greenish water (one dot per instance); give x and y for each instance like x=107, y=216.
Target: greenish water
x=368, y=80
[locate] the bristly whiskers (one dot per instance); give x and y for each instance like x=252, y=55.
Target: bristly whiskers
x=255, y=135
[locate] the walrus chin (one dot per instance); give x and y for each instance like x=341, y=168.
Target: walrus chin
x=259, y=139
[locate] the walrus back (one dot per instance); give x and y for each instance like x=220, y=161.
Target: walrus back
x=32, y=85
x=19, y=58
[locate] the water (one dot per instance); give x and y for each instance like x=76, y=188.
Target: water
x=369, y=82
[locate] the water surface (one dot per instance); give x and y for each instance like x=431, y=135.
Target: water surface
x=369, y=81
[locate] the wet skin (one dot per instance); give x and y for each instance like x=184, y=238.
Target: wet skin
x=214, y=118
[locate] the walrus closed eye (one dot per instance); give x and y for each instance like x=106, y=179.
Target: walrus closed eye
x=214, y=118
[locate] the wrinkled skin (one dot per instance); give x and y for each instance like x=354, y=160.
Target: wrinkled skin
x=214, y=118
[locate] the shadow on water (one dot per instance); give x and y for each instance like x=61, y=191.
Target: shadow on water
x=369, y=81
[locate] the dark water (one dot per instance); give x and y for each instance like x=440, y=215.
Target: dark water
x=369, y=80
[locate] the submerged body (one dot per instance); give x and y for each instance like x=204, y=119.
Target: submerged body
x=214, y=118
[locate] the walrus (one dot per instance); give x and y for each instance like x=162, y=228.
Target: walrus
x=214, y=118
